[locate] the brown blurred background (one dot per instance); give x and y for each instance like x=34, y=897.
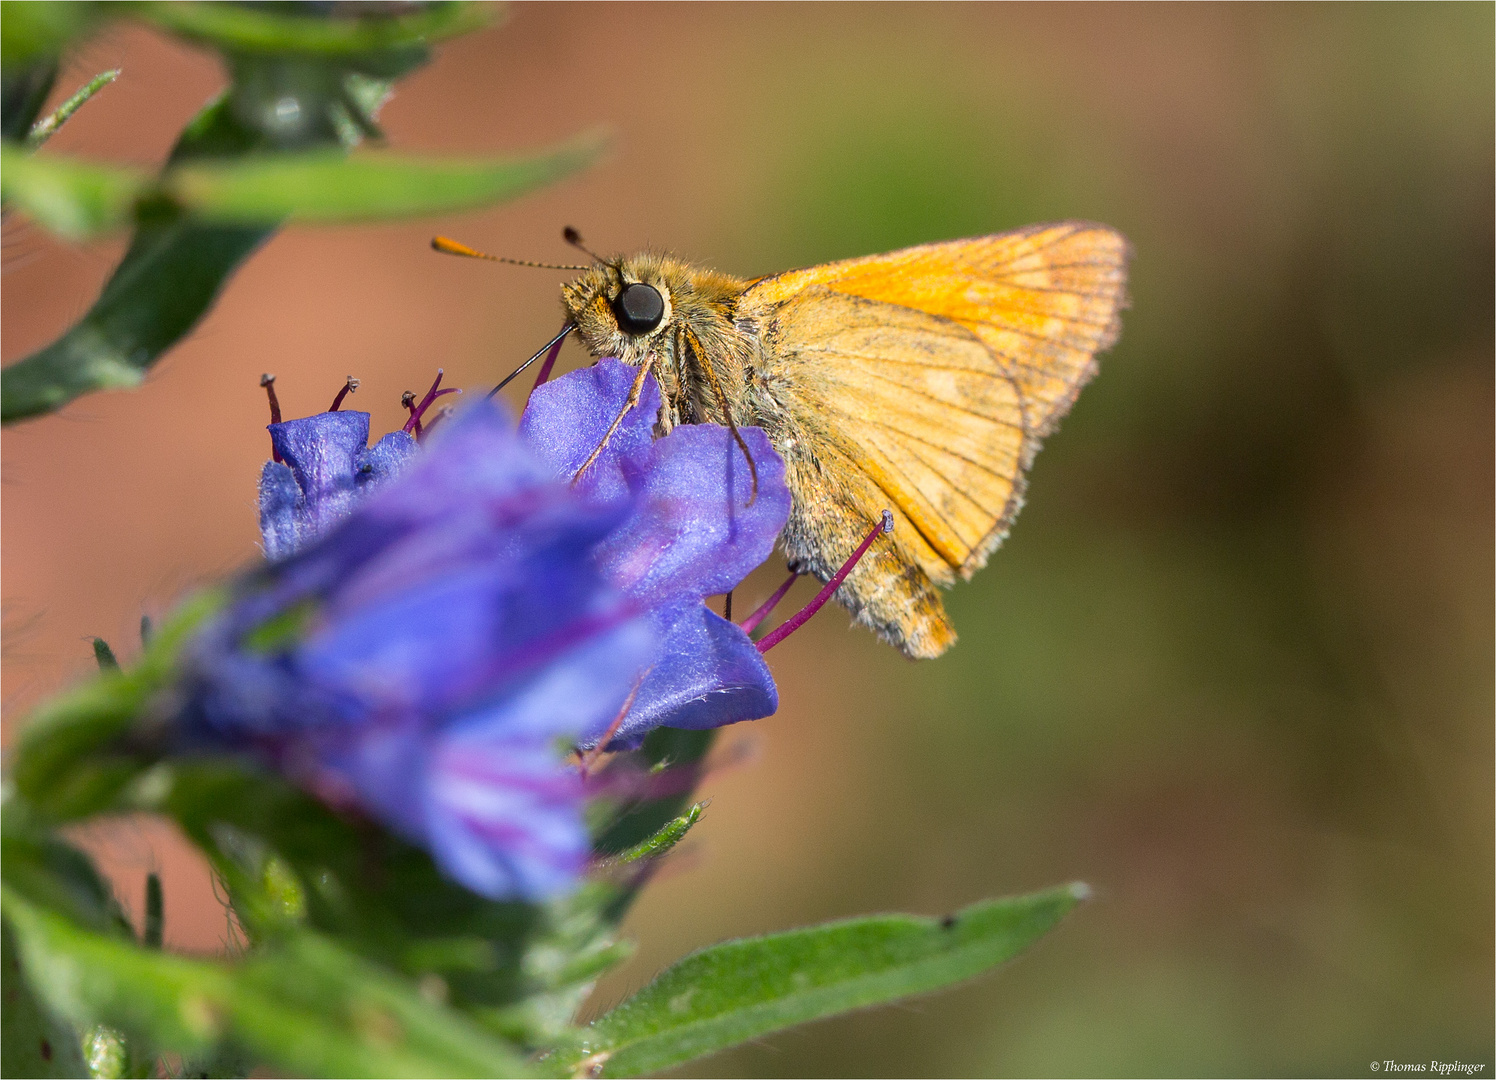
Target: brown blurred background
x=1234, y=666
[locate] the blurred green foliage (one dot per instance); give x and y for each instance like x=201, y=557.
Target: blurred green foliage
x=305, y=88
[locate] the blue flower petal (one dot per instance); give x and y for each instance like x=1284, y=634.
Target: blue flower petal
x=486, y=795
x=280, y=499
x=695, y=531
x=709, y=673
x=332, y=467
x=567, y=418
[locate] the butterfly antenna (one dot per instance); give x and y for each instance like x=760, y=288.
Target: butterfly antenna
x=574, y=238
x=448, y=246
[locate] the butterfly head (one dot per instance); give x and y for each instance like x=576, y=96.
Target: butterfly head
x=630, y=307
x=620, y=307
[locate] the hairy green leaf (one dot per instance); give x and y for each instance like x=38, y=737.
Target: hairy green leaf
x=741, y=990
x=670, y=834
x=45, y=128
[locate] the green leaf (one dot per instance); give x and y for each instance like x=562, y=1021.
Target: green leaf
x=741, y=990
x=72, y=198
x=78, y=752
x=32, y=30
x=169, y=277
x=670, y=834
x=104, y=655
x=303, y=1006
x=289, y=862
x=44, y=129
x=32, y=1041
x=202, y=218
x=328, y=187
x=241, y=28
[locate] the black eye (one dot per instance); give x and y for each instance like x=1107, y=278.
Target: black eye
x=640, y=308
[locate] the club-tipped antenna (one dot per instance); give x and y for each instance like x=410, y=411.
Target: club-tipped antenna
x=568, y=328
x=574, y=238
x=451, y=247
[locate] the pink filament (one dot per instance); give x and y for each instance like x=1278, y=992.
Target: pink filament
x=413, y=425
x=801, y=617
x=349, y=387
x=763, y=610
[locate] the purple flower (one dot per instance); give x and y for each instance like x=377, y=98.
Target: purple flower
x=426, y=650
x=426, y=660
x=695, y=529
x=323, y=466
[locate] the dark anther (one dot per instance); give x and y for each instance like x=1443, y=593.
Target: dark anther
x=640, y=308
x=413, y=425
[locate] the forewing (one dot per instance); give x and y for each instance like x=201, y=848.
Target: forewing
x=917, y=402
x=1044, y=301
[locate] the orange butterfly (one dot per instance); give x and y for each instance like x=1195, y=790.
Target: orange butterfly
x=921, y=381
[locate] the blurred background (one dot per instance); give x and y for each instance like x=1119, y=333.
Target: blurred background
x=1233, y=667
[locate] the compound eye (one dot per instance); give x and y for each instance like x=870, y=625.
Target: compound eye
x=640, y=308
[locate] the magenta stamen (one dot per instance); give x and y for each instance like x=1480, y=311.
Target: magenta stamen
x=349, y=387
x=437, y=419
x=801, y=617
x=545, y=368
x=763, y=610
x=413, y=425
x=267, y=380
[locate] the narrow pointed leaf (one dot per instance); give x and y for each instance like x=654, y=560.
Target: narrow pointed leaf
x=741, y=990
x=45, y=128
x=328, y=187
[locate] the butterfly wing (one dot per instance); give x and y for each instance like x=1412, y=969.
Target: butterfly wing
x=940, y=367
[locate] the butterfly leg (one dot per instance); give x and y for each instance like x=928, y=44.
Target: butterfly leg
x=635, y=392
x=722, y=403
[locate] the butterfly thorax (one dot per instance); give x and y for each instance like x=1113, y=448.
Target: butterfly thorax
x=694, y=338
